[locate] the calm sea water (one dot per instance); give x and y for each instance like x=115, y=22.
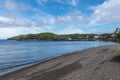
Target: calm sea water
x=18, y=54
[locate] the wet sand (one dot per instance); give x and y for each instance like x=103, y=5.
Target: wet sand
x=93, y=64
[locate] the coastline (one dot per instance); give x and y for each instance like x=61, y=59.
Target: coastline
x=72, y=66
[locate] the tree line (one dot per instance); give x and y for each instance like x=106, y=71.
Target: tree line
x=71, y=37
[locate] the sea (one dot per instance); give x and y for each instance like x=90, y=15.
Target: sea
x=15, y=55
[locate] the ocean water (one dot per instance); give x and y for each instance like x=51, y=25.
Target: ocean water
x=17, y=54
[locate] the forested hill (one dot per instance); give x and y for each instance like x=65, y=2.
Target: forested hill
x=60, y=37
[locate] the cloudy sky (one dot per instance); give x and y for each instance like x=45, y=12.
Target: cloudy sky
x=58, y=16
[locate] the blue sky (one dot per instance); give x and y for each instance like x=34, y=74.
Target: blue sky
x=58, y=16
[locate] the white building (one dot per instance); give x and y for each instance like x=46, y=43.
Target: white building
x=69, y=39
x=96, y=37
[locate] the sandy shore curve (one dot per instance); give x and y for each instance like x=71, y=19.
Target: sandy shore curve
x=98, y=63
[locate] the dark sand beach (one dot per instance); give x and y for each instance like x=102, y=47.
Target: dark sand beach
x=93, y=64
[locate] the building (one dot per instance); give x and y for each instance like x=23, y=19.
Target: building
x=113, y=35
x=69, y=39
x=96, y=37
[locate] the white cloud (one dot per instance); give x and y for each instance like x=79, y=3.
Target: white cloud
x=70, y=2
x=21, y=23
x=47, y=22
x=41, y=2
x=52, y=21
x=64, y=19
x=6, y=32
x=16, y=22
x=5, y=20
x=74, y=2
x=71, y=30
x=73, y=17
x=13, y=5
x=108, y=12
x=9, y=4
x=82, y=20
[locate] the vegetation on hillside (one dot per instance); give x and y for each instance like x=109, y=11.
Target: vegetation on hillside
x=63, y=37
x=117, y=34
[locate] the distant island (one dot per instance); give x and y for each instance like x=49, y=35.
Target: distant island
x=47, y=36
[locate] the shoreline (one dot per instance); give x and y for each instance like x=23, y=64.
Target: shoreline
x=62, y=65
x=42, y=61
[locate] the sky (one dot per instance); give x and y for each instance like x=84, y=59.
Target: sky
x=58, y=16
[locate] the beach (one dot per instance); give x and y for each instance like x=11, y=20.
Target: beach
x=99, y=63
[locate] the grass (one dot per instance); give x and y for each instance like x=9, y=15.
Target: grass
x=116, y=54
x=117, y=50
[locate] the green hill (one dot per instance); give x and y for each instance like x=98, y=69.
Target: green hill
x=61, y=37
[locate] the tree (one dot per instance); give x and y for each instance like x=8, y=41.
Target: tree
x=117, y=33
